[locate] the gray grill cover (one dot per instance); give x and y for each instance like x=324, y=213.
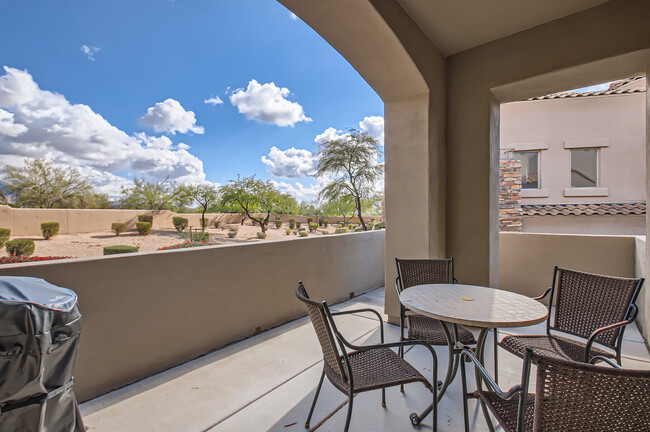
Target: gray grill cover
x=39, y=333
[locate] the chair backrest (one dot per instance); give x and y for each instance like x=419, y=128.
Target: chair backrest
x=572, y=396
x=424, y=271
x=324, y=332
x=586, y=302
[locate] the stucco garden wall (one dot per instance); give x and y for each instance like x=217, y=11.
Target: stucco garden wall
x=147, y=312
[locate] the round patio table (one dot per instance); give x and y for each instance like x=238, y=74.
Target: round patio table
x=475, y=306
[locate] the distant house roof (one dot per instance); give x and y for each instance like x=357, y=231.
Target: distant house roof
x=635, y=208
x=626, y=86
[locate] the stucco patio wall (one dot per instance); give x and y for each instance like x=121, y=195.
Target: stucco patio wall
x=147, y=312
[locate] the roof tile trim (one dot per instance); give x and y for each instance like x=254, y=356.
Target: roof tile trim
x=634, y=208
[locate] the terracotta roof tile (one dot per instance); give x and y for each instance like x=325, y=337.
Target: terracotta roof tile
x=612, y=90
x=635, y=208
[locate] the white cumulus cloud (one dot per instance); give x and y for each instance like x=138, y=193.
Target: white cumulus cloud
x=7, y=125
x=374, y=127
x=170, y=116
x=291, y=163
x=267, y=103
x=90, y=51
x=301, y=192
x=213, y=101
x=330, y=134
x=40, y=124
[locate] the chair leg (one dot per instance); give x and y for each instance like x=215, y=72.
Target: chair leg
x=383, y=397
x=313, y=404
x=496, y=356
x=349, y=416
x=463, y=377
x=401, y=349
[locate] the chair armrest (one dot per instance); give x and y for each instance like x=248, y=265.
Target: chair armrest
x=597, y=359
x=632, y=316
x=381, y=321
x=388, y=345
x=548, y=290
x=455, y=280
x=513, y=391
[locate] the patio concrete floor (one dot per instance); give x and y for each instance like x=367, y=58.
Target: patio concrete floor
x=267, y=382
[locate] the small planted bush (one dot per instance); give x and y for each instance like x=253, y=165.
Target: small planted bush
x=358, y=229
x=323, y=222
x=187, y=244
x=298, y=225
x=118, y=228
x=278, y=223
x=144, y=228
x=232, y=233
x=20, y=247
x=370, y=226
x=180, y=223
x=233, y=228
x=145, y=218
x=292, y=223
x=119, y=249
x=350, y=226
x=261, y=235
x=303, y=233
x=201, y=236
x=323, y=231
x=380, y=225
x=5, y=233
x=341, y=224
x=287, y=231
x=313, y=227
x=49, y=229
x=341, y=231
x=310, y=220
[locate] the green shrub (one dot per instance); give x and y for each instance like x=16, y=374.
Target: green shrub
x=144, y=228
x=370, y=226
x=145, y=218
x=232, y=233
x=323, y=222
x=120, y=249
x=302, y=229
x=359, y=229
x=310, y=220
x=49, y=229
x=350, y=226
x=20, y=247
x=201, y=236
x=278, y=223
x=341, y=231
x=180, y=223
x=341, y=224
x=217, y=223
x=380, y=225
x=118, y=228
x=303, y=233
x=205, y=222
x=234, y=228
x=292, y=223
x=313, y=227
x=323, y=231
x=4, y=235
x=261, y=235
x=298, y=225
x=287, y=231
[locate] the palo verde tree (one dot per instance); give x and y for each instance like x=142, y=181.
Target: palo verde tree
x=206, y=195
x=162, y=195
x=343, y=206
x=351, y=164
x=41, y=184
x=256, y=196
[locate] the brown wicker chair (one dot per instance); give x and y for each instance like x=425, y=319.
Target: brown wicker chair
x=569, y=396
x=594, y=307
x=370, y=367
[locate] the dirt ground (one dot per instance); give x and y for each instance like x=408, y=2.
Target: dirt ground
x=92, y=244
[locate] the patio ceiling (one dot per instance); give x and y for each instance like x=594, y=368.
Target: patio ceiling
x=455, y=26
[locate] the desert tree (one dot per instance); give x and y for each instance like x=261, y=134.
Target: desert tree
x=344, y=207
x=161, y=195
x=206, y=195
x=350, y=165
x=256, y=196
x=41, y=184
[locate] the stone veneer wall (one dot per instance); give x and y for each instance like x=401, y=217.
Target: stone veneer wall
x=510, y=196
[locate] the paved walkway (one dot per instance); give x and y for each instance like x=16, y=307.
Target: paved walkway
x=267, y=382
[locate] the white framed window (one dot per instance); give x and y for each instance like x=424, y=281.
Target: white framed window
x=584, y=168
x=530, y=168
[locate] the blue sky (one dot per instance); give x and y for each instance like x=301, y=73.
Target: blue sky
x=119, y=89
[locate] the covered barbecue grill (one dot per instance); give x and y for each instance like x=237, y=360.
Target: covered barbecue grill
x=39, y=333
